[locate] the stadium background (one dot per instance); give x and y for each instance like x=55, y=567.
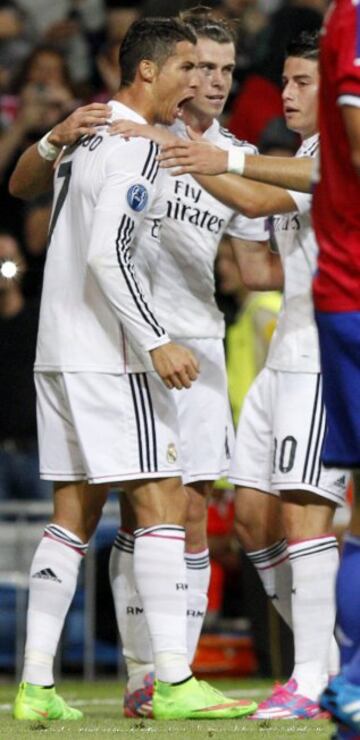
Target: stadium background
x=55, y=56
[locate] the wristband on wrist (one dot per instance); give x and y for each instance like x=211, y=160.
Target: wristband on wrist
x=236, y=161
x=46, y=150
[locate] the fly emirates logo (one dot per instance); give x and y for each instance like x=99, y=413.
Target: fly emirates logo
x=186, y=207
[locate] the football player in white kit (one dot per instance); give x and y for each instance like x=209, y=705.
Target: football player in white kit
x=104, y=414
x=184, y=279
x=281, y=430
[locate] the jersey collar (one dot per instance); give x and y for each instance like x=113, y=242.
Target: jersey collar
x=119, y=110
x=211, y=134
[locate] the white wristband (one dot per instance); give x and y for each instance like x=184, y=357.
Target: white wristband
x=236, y=160
x=46, y=150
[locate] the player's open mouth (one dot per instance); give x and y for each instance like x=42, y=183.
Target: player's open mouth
x=180, y=105
x=289, y=111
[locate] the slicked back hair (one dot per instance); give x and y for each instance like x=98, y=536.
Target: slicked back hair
x=305, y=45
x=154, y=39
x=207, y=27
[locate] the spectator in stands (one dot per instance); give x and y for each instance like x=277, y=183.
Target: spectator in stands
x=73, y=26
x=119, y=18
x=19, y=476
x=14, y=45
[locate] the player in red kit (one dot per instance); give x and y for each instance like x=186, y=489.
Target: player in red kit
x=336, y=215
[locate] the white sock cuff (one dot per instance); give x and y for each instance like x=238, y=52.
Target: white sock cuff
x=197, y=560
x=162, y=531
x=124, y=541
x=269, y=557
x=314, y=546
x=65, y=537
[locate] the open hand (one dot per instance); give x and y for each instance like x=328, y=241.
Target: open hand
x=83, y=120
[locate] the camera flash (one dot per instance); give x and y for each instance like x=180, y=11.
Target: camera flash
x=8, y=269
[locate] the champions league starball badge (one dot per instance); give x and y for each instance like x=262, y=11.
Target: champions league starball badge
x=137, y=197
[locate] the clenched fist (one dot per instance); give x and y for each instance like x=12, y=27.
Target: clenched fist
x=176, y=365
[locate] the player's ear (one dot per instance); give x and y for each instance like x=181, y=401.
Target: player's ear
x=147, y=70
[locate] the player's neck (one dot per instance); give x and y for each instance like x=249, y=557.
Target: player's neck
x=307, y=134
x=136, y=100
x=196, y=121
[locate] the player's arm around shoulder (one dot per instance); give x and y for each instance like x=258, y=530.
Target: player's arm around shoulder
x=132, y=129
x=252, y=199
x=33, y=173
x=203, y=158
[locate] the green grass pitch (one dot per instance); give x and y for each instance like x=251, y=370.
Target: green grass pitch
x=101, y=703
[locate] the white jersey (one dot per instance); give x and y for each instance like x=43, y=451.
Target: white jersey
x=294, y=346
x=93, y=302
x=183, y=285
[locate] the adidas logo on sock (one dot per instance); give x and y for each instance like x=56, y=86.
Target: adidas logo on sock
x=340, y=482
x=47, y=575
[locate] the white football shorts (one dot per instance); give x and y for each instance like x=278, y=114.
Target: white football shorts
x=204, y=414
x=280, y=436
x=106, y=428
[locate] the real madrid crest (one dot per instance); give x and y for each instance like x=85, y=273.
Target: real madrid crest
x=171, y=454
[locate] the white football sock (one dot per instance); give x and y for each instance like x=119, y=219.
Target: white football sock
x=198, y=578
x=53, y=577
x=314, y=564
x=130, y=616
x=334, y=659
x=137, y=672
x=274, y=570
x=160, y=577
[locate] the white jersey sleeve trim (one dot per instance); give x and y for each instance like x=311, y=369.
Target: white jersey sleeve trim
x=352, y=100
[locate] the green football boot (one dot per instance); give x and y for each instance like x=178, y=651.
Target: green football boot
x=196, y=700
x=34, y=702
